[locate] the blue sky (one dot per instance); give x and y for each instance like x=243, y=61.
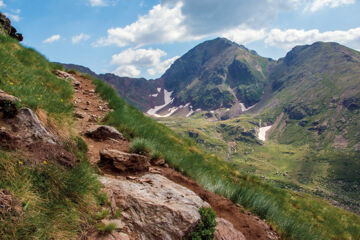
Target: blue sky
x=141, y=38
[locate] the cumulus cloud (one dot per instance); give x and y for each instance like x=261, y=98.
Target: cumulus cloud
x=127, y=71
x=52, y=39
x=162, y=66
x=289, y=38
x=212, y=16
x=2, y=4
x=320, y=4
x=131, y=61
x=243, y=35
x=98, y=3
x=162, y=24
x=81, y=37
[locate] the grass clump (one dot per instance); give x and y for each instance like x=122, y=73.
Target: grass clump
x=105, y=228
x=206, y=228
x=104, y=213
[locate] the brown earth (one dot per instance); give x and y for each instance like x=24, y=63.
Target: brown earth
x=90, y=106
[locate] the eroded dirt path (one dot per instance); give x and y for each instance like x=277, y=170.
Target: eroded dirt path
x=90, y=108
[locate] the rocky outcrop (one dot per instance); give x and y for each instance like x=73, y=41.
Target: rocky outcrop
x=6, y=28
x=101, y=133
x=124, y=162
x=65, y=75
x=226, y=231
x=352, y=103
x=22, y=129
x=155, y=207
x=31, y=128
x=8, y=105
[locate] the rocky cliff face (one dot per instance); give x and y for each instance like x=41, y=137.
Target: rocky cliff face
x=7, y=29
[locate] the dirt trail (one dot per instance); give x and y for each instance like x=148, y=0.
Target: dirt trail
x=90, y=107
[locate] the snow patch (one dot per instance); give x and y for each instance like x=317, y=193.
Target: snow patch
x=244, y=109
x=168, y=100
x=190, y=113
x=154, y=95
x=159, y=89
x=262, y=132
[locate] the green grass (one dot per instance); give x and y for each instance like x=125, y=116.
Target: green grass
x=206, y=227
x=28, y=75
x=55, y=202
x=294, y=215
x=105, y=228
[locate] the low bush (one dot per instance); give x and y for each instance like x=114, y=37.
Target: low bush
x=206, y=228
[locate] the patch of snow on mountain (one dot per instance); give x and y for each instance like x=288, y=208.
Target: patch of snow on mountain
x=262, y=132
x=167, y=99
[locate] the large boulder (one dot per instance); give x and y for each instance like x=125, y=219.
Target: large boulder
x=125, y=162
x=226, y=231
x=102, y=132
x=155, y=207
x=6, y=28
x=8, y=108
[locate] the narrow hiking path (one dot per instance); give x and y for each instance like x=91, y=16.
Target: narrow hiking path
x=90, y=109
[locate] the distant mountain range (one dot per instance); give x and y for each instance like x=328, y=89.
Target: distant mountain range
x=311, y=93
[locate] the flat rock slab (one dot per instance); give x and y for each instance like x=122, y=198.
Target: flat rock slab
x=125, y=162
x=102, y=132
x=154, y=207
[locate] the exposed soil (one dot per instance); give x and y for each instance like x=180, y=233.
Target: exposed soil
x=90, y=105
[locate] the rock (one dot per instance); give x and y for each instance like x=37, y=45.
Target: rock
x=93, y=119
x=161, y=209
x=65, y=75
x=124, y=162
x=31, y=127
x=79, y=114
x=157, y=162
x=226, y=231
x=102, y=132
x=118, y=223
x=5, y=24
x=8, y=106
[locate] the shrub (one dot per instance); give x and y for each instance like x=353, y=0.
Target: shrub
x=206, y=228
x=140, y=146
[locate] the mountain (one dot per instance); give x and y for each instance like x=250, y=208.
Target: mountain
x=317, y=88
x=217, y=74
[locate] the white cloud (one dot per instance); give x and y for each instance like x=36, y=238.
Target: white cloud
x=98, y=3
x=2, y=4
x=243, y=35
x=81, y=37
x=127, y=71
x=131, y=61
x=162, y=24
x=52, y=39
x=162, y=66
x=289, y=38
x=13, y=17
x=317, y=5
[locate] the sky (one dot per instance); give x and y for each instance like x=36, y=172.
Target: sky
x=142, y=38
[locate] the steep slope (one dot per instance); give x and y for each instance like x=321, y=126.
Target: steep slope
x=318, y=88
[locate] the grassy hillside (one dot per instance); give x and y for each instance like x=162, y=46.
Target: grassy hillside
x=51, y=201
x=294, y=215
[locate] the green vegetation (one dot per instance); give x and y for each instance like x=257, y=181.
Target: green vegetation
x=206, y=228
x=50, y=201
x=294, y=215
x=105, y=228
